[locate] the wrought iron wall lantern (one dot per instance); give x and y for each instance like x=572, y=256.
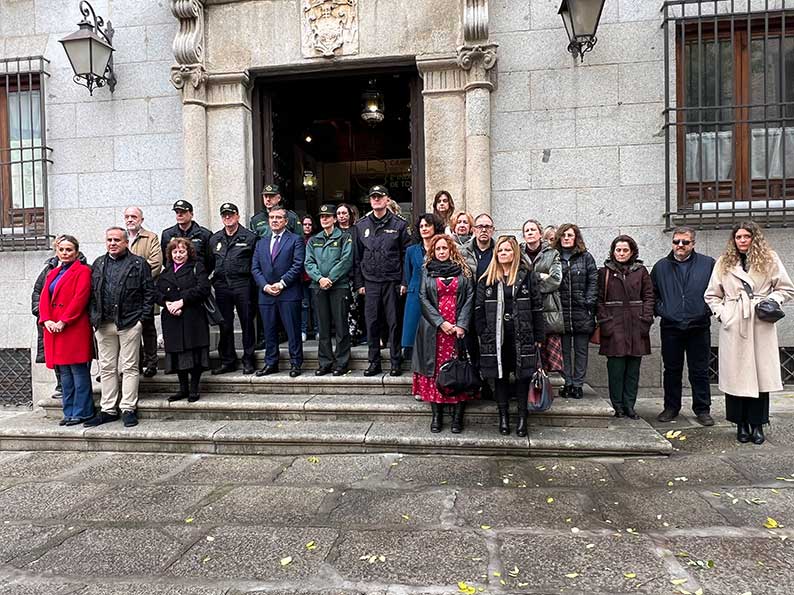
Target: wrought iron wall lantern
x=90, y=51
x=372, y=105
x=580, y=18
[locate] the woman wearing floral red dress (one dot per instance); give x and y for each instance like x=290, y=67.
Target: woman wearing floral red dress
x=68, y=340
x=446, y=296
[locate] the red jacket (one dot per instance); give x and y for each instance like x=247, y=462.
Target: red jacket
x=73, y=345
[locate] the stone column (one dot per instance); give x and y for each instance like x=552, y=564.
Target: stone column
x=230, y=153
x=190, y=77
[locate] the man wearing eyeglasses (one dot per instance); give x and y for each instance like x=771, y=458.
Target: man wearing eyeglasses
x=680, y=280
x=478, y=251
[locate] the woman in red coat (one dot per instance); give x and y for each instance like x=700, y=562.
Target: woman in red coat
x=68, y=343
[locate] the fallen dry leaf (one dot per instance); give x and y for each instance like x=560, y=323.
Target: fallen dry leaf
x=286, y=561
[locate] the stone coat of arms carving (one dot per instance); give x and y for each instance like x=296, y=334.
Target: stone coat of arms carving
x=330, y=27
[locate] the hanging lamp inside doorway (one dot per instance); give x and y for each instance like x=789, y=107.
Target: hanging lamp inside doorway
x=372, y=108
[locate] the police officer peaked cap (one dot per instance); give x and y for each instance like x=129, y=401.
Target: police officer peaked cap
x=378, y=191
x=328, y=209
x=182, y=205
x=228, y=207
x=271, y=189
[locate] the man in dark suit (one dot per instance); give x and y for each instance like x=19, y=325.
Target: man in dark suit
x=277, y=268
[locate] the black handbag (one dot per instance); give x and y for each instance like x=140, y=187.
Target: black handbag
x=541, y=393
x=768, y=310
x=214, y=316
x=457, y=375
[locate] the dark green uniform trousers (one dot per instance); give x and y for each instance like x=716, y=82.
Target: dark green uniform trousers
x=332, y=309
x=623, y=374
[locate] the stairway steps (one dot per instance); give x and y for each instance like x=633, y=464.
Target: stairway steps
x=32, y=431
x=591, y=411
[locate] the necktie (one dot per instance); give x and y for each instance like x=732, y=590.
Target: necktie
x=275, y=248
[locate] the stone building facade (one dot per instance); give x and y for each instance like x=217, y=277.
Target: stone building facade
x=511, y=123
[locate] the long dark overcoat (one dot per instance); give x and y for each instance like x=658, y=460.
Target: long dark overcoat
x=190, y=330
x=424, y=356
x=625, y=309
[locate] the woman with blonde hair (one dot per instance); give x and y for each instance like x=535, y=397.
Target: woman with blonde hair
x=508, y=315
x=748, y=273
x=446, y=295
x=443, y=208
x=462, y=227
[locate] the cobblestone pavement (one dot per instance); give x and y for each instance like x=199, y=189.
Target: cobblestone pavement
x=702, y=521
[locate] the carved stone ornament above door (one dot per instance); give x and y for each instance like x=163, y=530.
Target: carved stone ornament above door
x=329, y=28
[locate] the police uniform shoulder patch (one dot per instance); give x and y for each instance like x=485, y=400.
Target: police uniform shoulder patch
x=366, y=233
x=218, y=247
x=488, y=291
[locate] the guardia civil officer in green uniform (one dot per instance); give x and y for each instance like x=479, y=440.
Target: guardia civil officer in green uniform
x=329, y=258
x=232, y=249
x=271, y=197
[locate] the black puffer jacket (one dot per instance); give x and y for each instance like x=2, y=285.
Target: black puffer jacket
x=579, y=293
x=528, y=321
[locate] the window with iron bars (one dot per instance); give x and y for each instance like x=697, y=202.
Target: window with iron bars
x=729, y=111
x=24, y=154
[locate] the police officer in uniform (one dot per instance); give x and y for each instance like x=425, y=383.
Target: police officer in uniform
x=232, y=249
x=329, y=258
x=271, y=197
x=187, y=228
x=381, y=243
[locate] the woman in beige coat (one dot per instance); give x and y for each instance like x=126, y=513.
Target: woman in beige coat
x=749, y=359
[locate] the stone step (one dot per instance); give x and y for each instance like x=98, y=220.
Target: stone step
x=591, y=411
x=32, y=431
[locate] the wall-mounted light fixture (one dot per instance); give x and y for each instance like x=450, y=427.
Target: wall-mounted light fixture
x=580, y=18
x=90, y=51
x=372, y=105
x=309, y=180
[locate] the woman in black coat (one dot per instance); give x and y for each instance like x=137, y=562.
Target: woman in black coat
x=578, y=294
x=508, y=315
x=446, y=299
x=182, y=288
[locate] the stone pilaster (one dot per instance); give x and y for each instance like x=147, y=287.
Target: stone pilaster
x=190, y=77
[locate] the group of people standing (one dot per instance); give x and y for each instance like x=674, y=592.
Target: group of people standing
x=512, y=307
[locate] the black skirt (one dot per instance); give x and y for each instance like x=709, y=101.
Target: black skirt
x=747, y=410
x=187, y=360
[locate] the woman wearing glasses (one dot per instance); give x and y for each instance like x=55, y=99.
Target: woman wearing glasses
x=509, y=320
x=625, y=314
x=747, y=273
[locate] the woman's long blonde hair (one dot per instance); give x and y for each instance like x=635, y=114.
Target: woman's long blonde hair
x=493, y=273
x=454, y=253
x=759, y=256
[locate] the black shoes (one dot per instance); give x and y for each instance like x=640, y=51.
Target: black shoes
x=129, y=419
x=504, y=420
x=705, y=419
x=521, y=426
x=340, y=372
x=177, y=397
x=565, y=392
x=248, y=368
x=438, y=417
x=395, y=371
x=100, y=418
x=267, y=370
x=576, y=392
x=619, y=412
x=295, y=371
x=224, y=369
x=743, y=433
x=670, y=415
x=193, y=397
x=322, y=370
x=150, y=372
x=373, y=369
x=631, y=414
x=457, y=418
x=757, y=434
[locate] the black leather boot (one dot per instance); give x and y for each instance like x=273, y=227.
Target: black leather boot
x=457, y=418
x=757, y=434
x=438, y=413
x=521, y=426
x=183, y=387
x=743, y=433
x=504, y=419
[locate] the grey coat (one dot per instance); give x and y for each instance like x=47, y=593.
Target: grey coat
x=548, y=266
x=424, y=356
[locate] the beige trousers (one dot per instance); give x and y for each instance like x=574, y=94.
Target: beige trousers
x=119, y=354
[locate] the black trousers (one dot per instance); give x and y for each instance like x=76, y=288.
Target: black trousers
x=695, y=345
x=149, y=347
x=747, y=410
x=382, y=305
x=504, y=389
x=332, y=309
x=229, y=299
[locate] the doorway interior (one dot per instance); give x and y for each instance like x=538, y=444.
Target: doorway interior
x=328, y=137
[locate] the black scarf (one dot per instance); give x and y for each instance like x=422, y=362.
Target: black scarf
x=446, y=268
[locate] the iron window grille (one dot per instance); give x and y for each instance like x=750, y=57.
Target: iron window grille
x=24, y=154
x=786, y=365
x=729, y=111
x=16, y=385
